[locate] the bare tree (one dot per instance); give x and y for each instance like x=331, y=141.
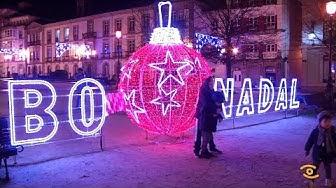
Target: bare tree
x=231, y=21
x=315, y=22
x=226, y=20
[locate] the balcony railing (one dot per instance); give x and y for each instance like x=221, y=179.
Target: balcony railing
x=270, y=55
x=252, y=55
x=34, y=43
x=90, y=35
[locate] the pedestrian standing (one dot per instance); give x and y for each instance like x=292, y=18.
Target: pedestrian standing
x=322, y=140
x=207, y=118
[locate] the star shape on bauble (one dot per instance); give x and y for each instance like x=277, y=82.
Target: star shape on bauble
x=135, y=109
x=166, y=101
x=164, y=76
x=127, y=69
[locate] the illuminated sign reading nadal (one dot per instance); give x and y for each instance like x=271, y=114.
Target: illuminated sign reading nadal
x=246, y=104
x=37, y=99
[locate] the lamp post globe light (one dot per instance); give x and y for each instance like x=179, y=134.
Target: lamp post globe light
x=331, y=10
x=118, y=53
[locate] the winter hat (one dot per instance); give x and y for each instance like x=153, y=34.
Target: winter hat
x=324, y=115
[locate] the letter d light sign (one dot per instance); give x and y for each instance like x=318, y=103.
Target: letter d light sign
x=36, y=99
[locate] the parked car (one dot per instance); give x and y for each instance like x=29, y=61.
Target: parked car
x=59, y=75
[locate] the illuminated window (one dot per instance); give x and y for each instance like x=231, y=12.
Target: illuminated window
x=57, y=35
x=66, y=34
x=106, y=47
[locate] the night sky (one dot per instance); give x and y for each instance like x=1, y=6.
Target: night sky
x=55, y=10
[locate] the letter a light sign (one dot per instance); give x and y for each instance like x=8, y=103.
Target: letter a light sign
x=37, y=99
x=285, y=98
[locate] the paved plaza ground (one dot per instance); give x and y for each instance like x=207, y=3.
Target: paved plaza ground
x=267, y=155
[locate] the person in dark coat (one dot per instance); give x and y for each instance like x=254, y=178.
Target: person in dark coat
x=322, y=140
x=206, y=124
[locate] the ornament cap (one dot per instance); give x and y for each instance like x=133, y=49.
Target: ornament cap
x=165, y=35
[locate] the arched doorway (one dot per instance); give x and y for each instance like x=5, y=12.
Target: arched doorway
x=34, y=71
x=57, y=67
x=49, y=69
x=29, y=71
x=40, y=70
x=21, y=70
x=66, y=68
x=106, y=70
x=75, y=69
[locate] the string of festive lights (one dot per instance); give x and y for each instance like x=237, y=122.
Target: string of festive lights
x=203, y=39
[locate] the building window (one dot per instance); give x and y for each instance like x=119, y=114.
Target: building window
x=75, y=32
x=48, y=37
x=236, y=22
x=66, y=34
x=8, y=33
x=118, y=49
x=106, y=47
x=90, y=25
x=252, y=48
x=118, y=24
x=253, y=23
x=106, y=28
x=20, y=35
x=131, y=46
x=271, y=47
x=57, y=35
x=131, y=25
x=271, y=2
x=236, y=3
x=49, y=53
x=252, y=3
x=145, y=23
x=271, y=22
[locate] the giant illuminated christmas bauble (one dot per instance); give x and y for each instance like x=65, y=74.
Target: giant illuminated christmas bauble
x=161, y=83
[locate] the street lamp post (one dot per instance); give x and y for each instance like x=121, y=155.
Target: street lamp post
x=118, y=36
x=331, y=10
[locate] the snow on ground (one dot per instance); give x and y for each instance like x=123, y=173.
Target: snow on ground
x=267, y=155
